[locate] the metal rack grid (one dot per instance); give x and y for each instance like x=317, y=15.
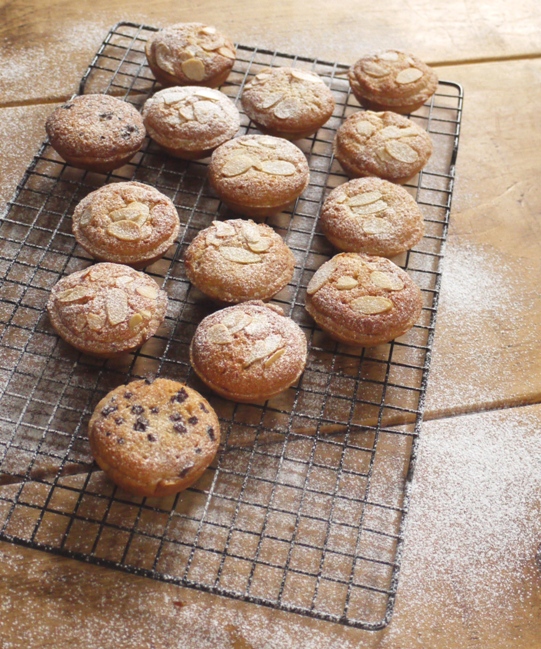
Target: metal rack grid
x=303, y=508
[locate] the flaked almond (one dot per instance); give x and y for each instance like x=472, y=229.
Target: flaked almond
x=365, y=128
x=386, y=281
x=186, y=111
x=207, y=93
x=371, y=305
x=346, y=283
x=124, y=280
x=320, y=278
x=80, y=323
x=372, y=208
x=287, y=109
x=301, y=75
x=134, y=211
x=146, y=314
x=148, y=291
x=394, y=132
x=258, y=326
x=223, y=229
x=236, y=321
x=274, y=357
x=163, y=58
x=278, y=167
x=219, y=334
x=204, y=111
x=214, y=44
x=342, y=199
x=262, y=76
x=374, y=69
x=388, y=56
x=95, y=321
x=116, y=306
x=250, y=232
x=409, y=75
x=75, y=294
x=365, y=198
x=271, y=99
x=194, y=69
x=260, y=246
x=85, y=217
x=229, y=54
x=135, y=321
x=375, y=225
x=237, y=165
x=264, y=348
x=401, y=151
x=239, y=255
x=209, y=30
x=125, y=230
x=268, y=141
x=172, y=96
x=250, y=143
x=192, y=50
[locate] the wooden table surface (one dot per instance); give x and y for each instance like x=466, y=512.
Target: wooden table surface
x=469, y=576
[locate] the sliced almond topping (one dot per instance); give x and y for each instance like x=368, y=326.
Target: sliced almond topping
x=194, y=69
x=262, y=76
x=171, y=96
x=146, y=314
x=249, y=143
x=229, y=54
x=237, y=165
x=163, y=58
x=268, y=141
x=209, y=30
x=205, y=110
x=376, y=70
x=386, y=281
x=250, y=232
x=85, y=217
x=394, y=132
x=320, y=278
x=186, y=111
x=365, y=128
x=75, y=294
x=239, y=255
x=301, y=75
x=214, y=44
x=260, y=246
x=371, y=304
x=388, y=56
x=236, y=321
x=116, y=306
x=125, y=230
x=80, y=322
x=287, y=109
x=342, y=199
x=372, y=208
x=148, y=291
x=383, y=155
x=219, y=334
x=271, y=99
x=409, y=75
x=365, y=198
x=207, y=93
x=258, y=326
x=345, y=283
x=123, y=280
x=192, y=50
x=272, y=359
x=375, y=225
x=95, y=321
x=264, y=348
x=134, y=211
x=401, y=151
x=278, y=167
x=135, y=321
x=223, y=229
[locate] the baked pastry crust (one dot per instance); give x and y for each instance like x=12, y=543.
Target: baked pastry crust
x=154, y=438
x=190, y=54
x=126, y=223
x=107, y=309
x=239, y=260
x=249, y=352
x=288, y=102
x=190, y=121
x=96, y=132
x=258, y=175
x=373, y=216
x=386, y=145
x=363, y=300
x=392, y=80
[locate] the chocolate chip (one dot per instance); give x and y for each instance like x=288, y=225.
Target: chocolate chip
x=128, y=395
x=155, y=410
x=120, y=440
x=106, y=115
x=108, y=410
x=141, y=424
x=128, y=130
x=198, y=450
x=211, y=433
x=152, y=438
x=193, y=420
x=175, y=416
x=137, y=410
x=119, y=421
x=180, y=428
x=180, y=396
x=203, y=407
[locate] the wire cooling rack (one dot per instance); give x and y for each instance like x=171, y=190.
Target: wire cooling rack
x=303, y=509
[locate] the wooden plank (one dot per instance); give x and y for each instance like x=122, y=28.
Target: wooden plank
x=47, y=45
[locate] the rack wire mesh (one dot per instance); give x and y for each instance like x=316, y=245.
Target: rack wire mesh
x=304, y=507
